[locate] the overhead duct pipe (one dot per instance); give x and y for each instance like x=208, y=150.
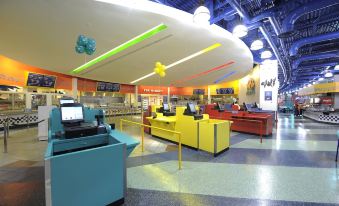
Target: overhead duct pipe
x=311, y=40
x=288, y=22
x=315, y=57
x=254, y=23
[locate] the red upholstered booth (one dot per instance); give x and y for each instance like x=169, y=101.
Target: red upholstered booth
x=255, y=123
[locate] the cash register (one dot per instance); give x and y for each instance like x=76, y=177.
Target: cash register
x=85, y=160
x=191, y=111
x=166, y=111
x=72, y=118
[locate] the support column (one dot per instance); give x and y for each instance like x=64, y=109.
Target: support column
x=336, y=95
x=28, y=98
x=136, y=97
x=168, y=94
x=209, y=95
x=75, y=88
x=13, y=101
x=49, y=99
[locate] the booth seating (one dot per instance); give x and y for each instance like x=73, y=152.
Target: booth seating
x=198, y=133
x=243, y=121
x=85, y=164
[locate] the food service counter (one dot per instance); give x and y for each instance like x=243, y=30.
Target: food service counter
x=320, y=116
x=210, y=135
x=254, y=123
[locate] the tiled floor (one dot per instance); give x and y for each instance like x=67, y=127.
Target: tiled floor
x=295, y=166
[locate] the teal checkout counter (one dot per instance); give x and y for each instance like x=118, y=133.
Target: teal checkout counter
x=85, y=164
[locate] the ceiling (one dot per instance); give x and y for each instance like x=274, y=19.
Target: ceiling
x=302, y=34
x=44, y=33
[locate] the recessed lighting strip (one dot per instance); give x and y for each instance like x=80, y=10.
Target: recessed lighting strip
x=205, y=72
x=214, y=46
x=224, y=77
x=121, y=47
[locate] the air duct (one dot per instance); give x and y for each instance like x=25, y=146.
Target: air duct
x=315, y=57
x=311, y=40
x=288, y=22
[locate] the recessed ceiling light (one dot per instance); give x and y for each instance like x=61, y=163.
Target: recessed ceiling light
x=214, y=46
x=223, y=66
x=122, y=47
x=240, y=30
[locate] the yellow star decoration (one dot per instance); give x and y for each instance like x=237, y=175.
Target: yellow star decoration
x=160, y=69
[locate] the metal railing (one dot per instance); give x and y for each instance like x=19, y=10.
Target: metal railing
x=6, y=132
x=142, y=126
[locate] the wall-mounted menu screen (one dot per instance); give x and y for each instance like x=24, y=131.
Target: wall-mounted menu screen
x=199, y=91
x=225, y=91
x=108, y=87
x=40, y=80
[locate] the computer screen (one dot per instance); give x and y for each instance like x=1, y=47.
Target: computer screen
x=191, y=107
x=66, y=101
x=166, y=107
x=72, y=114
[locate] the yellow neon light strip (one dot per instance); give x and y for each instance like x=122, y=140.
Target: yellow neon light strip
x=210, y=48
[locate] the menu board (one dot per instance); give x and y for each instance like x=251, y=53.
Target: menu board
x=199, y=91
x=225, y=91
x=40, y=80
x=108, y=87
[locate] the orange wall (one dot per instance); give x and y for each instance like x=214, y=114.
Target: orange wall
x=15, y=73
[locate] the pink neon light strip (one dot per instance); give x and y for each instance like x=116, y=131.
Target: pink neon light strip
x=204, y=73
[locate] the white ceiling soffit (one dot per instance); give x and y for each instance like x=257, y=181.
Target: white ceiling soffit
x=44, y=33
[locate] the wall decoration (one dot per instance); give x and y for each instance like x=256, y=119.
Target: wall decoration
x=108, y=87
x=85, y=45
x=225, y=91
x=268, y=83
x=250, y=87
x=268, y=95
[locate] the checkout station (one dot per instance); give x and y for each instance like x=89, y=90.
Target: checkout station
x=85, y=161
x=198, y=130
x=252, y=120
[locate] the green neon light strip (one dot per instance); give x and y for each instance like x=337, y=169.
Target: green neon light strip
x=122, y=47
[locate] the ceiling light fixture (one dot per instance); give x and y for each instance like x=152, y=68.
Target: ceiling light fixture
x=328, y=74
x=240, y=30
x=321, y=79
x=257, y=44
x=121, y=47
x=336, y=67
x=214, y=46
x=202, y=16
x=266, y=54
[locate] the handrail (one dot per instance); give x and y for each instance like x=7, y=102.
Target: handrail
x=149, y=126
